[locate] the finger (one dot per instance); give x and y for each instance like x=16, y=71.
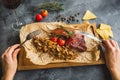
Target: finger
x=113, y=43
x=15, y=53
x=117, y=45
x=7, y=50
x=12, y=48
x=2, y=56
x=107, y=44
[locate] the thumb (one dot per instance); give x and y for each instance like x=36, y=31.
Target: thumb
x=15, y=53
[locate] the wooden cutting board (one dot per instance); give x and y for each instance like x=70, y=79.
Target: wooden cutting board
x=25, y=64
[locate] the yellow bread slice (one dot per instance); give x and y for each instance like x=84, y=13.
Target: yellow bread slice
x=89, y=15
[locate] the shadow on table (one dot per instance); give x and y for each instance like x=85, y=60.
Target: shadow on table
x=107, y=73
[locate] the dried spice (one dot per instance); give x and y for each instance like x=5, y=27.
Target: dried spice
x=70, y=19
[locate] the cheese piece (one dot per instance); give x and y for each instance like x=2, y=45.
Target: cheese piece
x=89, y=15
x=107, y=28
x=105, y=31
x=104, y=26
x=103, y=34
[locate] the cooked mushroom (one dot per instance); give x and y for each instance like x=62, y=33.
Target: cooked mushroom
x=52, y=48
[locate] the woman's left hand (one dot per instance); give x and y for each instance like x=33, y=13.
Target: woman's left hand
x=9, y=62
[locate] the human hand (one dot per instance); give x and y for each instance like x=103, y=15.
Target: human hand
x=112, y=58
x=9, y=62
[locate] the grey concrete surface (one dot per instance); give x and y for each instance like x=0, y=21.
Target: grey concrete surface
x=108, y=11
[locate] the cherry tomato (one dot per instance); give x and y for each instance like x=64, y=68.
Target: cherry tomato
x=54, y=39
x=39, y=17
x=61, y=42
x=44, y=13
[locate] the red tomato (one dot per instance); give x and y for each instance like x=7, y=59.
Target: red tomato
x=39, y=17
x=61, y=42
x=54, y=39
x=44, y=13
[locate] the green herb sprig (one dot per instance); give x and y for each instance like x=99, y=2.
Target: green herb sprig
x=50, y=6
x=70, y=33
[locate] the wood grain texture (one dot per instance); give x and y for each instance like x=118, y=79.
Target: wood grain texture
x=25, y=64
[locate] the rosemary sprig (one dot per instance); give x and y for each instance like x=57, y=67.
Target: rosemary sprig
x=50, y=6
x=70, y=33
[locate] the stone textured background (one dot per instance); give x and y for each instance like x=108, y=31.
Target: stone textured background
x=108, y=11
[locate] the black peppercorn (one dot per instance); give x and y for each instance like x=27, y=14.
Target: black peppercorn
x=77, y=20
x=70, y=18
x=75, y=15
x=73, y=19
x=78, y=13
x=64, y=18
x=68, y=21
x=58, y=20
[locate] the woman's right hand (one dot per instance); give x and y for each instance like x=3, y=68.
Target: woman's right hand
x=112, y=58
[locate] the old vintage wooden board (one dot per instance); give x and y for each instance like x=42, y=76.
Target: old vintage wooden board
x=25, y=64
